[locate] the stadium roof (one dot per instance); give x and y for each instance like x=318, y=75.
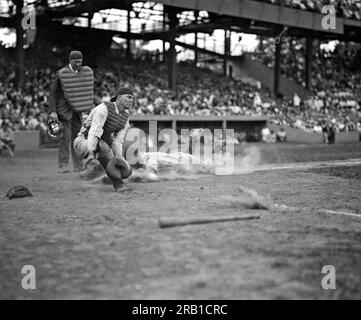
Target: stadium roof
x=246, y=16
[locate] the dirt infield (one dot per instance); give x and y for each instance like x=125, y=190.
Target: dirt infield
x=87, y=241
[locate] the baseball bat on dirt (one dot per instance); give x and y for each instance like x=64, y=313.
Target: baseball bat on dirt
x=177, y=222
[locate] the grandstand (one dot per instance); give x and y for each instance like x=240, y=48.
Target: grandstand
x=215, y=79
x=112, y=206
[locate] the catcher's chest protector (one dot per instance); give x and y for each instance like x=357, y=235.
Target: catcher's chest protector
x=78, y=88
x=114, y=122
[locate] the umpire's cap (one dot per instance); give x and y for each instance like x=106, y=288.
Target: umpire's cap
x=75, y=55
x=120, y=92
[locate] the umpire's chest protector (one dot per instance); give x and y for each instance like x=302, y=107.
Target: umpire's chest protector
x=78, y=88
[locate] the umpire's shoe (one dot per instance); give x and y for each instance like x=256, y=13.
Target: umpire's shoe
x=63, y=169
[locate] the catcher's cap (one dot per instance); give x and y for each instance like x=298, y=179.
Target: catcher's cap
x=121, y=92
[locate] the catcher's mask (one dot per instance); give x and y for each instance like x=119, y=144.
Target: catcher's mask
x=55, y=128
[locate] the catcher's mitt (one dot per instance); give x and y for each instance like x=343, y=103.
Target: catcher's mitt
x=118, y=168
x=18, y=192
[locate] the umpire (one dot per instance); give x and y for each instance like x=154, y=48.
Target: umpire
x=71, y=93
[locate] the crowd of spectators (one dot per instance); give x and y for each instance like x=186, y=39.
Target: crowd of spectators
x=25, y=109
x=199, y=93
x=344, y=8
x=335, y=97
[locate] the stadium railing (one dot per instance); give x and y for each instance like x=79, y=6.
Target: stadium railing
x=252, y=126
x=299, y=136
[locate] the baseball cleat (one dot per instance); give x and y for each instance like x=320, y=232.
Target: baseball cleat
x=121, y=188
x=93, y=170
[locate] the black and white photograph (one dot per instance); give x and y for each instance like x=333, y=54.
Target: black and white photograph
x=180, y=150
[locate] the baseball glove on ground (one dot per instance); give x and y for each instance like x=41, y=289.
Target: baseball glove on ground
x=18, y=192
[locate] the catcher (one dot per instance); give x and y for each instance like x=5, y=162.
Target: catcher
x=101, y=137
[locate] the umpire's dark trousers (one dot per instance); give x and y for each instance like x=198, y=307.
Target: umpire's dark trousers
x=71, y=130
